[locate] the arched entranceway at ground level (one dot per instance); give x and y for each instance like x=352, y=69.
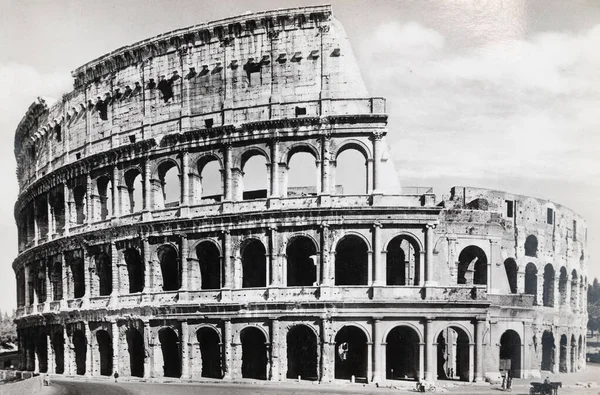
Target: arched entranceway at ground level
x=106, y=352
x=547, y=351
x=351, y=354
x=580, y=352
x=210, y=352
x=137, y=354
x=58, y=345
x=171, y=351
x=573, y=367
x=302, y=357
x=41, y=351
x=562, y=366
x=510, y=353
x=80, y=345
x=453, y=354
x=402, y=354
x=254, y=353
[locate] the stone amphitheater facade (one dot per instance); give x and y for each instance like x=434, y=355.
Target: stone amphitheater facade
x=118, y=272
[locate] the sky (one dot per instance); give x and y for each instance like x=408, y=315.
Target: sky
x=500, y=94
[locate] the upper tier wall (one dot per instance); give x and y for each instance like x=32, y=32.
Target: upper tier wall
x=280, y=64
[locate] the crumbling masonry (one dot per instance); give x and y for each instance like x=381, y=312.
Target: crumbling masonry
x=130, y=261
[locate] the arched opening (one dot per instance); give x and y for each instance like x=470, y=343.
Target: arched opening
x=41, y=350
x=472, y=266
x=57, y=205
x=562, y=286
x=209, y=259
x=301, y=266
x=135, y=270
x=169, y=185
x=351, y=266
x=510, y=266
x=58, y=346
x=302, y=357
x=574, y=289
x=580, y=355
x=105, y=350
x=80, y=345
x=531, y=246
x=210, y=352
x=351, y=354
x=402, y=261
x=41, y=216
x=547, y=351
x=254, y=353
x=78, y=277
x=135, y=192
x=350, y=170
x=56, y=281
x=510, y=353
x=254, y=177
x=254, y=265
x=302, y=174
x=562, y=365
x=104, y=272
x=103, y=199
x=548, y=295
x=169, y=267
x=79, y=193
x=531, y=277
x=137, y=354
x=402, y=354
x=573, y=365
x=170, y=346
x=453, y=354
x=210, y=184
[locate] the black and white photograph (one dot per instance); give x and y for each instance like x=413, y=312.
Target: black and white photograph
x=280, y=197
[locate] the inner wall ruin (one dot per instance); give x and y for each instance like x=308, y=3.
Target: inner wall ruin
x=145, y=250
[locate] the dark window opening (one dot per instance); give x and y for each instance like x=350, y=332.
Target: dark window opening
x=58, y=345
x=351, y=261
x=404, y=341
x=302, y=354
x=135, y=270
x=531, y=275
x=254, y=354
x=301, y=265
x=132, y=138
x=137, y=353
x=58, y=133
x=254, y=265
x=510, y=208
x=80, y=345
x=472, y=266
x=171, y=350
x=78, y=278
x=574, y=230
x=210, y=353
x=351, y=354
x=402, y=262
x=209, y=260
x=549, y=216
x=562, y=286
x=562, y=365
x=41, y=349
x=102, y=108
x=104, y=272
x=531, y=246
x=79, y=193
x=510, y=266
x=106, y=352
x=170, y=268
x=208, y=123
x=548, y=294
x=510, y=353
x=300, y=111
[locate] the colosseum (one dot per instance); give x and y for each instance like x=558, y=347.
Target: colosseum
x=143, y=250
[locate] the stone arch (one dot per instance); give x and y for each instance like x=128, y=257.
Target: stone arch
x=301, y=254
x=41, y=350
x=209, y=345
x=580, y=354
x=472, y=266
x=562, y=286
x=254, y=352
x=208, y=254
x=253, y=175
x=136, y=350
x=58, y=347
x=548, y=346
x=305, y=147
x=135, y=269
x=171, y=352
x=348, y=173
x=166, y=183
x=240, y=160
x=301, y=174
x=104, y=273
x=56, y=274
x=79, y=193
x=403, y=261
x=80, y=348
x=511, y=269
x=510, y=352
x=352, y=144
x=209, y=185
x=351, y=353
x=351, y=260
x=531, y=279
x=403, y=353
x=102, y=197
x=573, y=362
x=170, y=266
x=563, y=363
x=574, y=289
x=133, y=181
x=548, y=293
x=254, y=263
x=302, y=354
x=453, y=354
x=531, y=246
x=105, y=350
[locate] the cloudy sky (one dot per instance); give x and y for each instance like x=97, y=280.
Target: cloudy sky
x=499, y=93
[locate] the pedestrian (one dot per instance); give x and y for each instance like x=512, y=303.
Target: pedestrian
x=116, y=376
x=508, y=381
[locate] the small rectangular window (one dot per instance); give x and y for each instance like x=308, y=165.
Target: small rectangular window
x=509, y=209
x=550, y=216
x=132, y=138
x=574, y=230
x=300, y=111
x=208, y=123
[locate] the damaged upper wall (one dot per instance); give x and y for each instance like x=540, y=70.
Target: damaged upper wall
x=271, y=65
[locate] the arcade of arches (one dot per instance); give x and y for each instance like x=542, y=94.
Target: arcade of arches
x=179, y=349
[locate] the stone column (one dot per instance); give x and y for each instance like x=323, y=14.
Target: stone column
x=494, y=256
x=116, y=346
x=49, y=287
x=521, y=281
x=429, y=255
x=227, y=269
x=326, y=277
x=149, y=360
x=556, y=296
x=65, y=277
x=377, y=136
x=556, y=365
x=479, y=327
x=227, y=350
x=379, y=275
x=422, y=352
x=540, y=288
x=87, y=278
x=274, y=268
x=114, y=261
x=88, y=200
x=116, y=197
x=325, y=153
x=184, y=263
x=147, y=186
x=185, y=178
x=89, y=364
x=327, y=352
x=26, y=275
x=148, y=283
x=430, y=351
x=36, y=228
x=227, y=184
x=275, y=345
x=378, y=354
x=50, y=354
x=275, y=167
x=67, y=351
x=50, y=217
x=185, y=348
